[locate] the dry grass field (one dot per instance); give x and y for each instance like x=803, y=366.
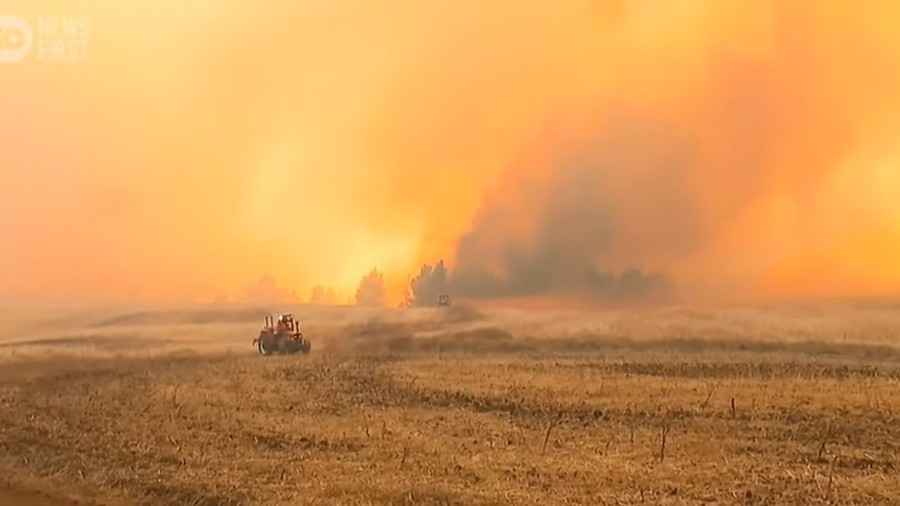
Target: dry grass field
x=777, y=405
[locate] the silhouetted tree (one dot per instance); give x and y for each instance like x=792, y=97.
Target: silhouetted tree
x=323, y=296
x=426, y=288
x=267, y=290
x=371, y=291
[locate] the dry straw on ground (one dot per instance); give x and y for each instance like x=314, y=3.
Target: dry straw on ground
x=788, y=406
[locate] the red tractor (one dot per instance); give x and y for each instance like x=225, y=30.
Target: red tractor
x=281, y=335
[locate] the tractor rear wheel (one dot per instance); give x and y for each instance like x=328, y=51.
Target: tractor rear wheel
x=261, y=347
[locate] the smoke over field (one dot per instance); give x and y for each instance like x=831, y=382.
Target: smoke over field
x=586, y=225
x=582, y=251
x=622, y=150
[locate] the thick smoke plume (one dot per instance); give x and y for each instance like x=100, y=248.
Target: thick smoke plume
x=617, y=150
x=585, y=229
x=730, y=167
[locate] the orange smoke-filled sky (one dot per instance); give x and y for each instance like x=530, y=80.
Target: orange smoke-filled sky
x=738, y=147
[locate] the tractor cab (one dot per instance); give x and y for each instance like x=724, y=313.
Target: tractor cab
x=283, y=323
x=286, y=323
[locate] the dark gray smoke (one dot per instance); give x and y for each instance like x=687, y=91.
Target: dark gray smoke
x=607, y=208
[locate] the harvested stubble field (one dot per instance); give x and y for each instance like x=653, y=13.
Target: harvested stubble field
x=674, y=406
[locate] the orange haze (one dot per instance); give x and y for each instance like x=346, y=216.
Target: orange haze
x=733, y=147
